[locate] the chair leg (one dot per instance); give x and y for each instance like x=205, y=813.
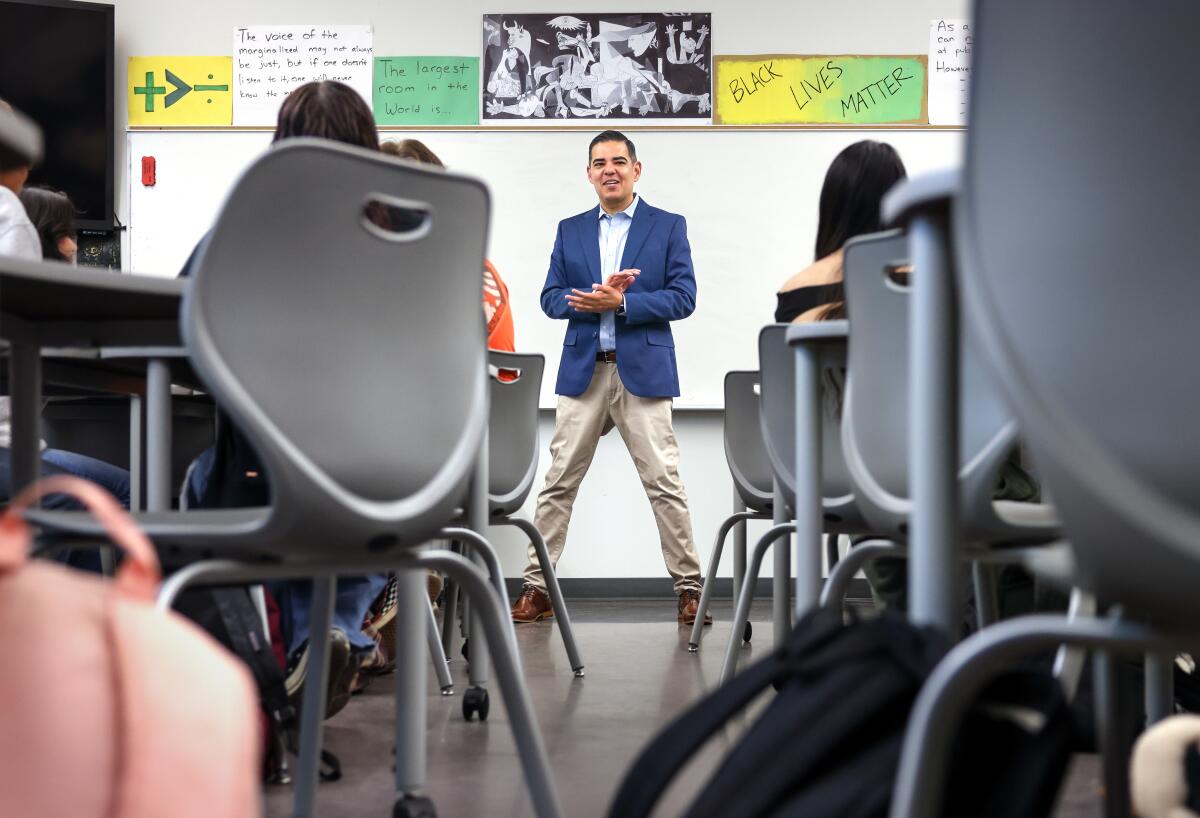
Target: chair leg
x=1069, y=661
x=781, y=574
x=739, y=547
x=746, y=597
x=484, y=550
x=436, y=654
x=710, y=578
x=834, y=592
x=1160, y=687
x=987, y=605
x=413, y=607
x=475, y=699
x=449, y=609
x=832, y=555
x=553, y=589
x=963, y=672
x=493, y=618
x=1111, y=738
x=312, y=708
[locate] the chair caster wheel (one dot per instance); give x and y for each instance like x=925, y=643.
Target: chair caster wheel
x=579, y=673
x=448, y=690
x=693, y=647
x=466, y=649
x=747, y=632
x=414, y=806
x=475, y=701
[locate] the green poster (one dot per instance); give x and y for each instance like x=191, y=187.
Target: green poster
x=426, y=90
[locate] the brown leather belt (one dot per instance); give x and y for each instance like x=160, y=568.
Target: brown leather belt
x=609, y=357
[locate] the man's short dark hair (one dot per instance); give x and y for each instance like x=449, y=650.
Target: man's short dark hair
x=612, y=136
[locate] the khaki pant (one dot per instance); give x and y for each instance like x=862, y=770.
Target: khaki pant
x=645, y=426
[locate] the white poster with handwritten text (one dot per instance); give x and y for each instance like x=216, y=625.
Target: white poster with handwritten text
x=949, y=71
x=269, y=61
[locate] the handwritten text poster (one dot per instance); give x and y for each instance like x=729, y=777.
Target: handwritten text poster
x=781, y=89
x=949, y=71
x=269, y=61
x=426, y=90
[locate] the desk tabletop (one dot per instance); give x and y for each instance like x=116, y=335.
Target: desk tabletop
x=55, y=304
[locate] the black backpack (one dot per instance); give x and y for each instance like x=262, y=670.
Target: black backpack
x=828, y=744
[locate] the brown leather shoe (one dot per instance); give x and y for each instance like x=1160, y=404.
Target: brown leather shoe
x=689, y=603
x=531, y=605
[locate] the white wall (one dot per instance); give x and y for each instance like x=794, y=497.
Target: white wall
x=613, y=534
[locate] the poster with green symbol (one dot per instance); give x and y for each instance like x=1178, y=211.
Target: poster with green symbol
x=180, y=90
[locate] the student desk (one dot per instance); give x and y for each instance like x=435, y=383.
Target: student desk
x=116, y=317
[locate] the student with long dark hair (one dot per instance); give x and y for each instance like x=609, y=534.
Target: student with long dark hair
x=53, y=216
x=854, y=186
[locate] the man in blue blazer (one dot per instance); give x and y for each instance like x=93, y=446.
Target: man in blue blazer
x=619, y=274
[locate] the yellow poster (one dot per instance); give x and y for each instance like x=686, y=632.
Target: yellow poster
x=180, y=90
x=779, y=89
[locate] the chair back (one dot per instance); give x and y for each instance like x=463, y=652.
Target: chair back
x=876, y=412
x=350, y=353
x=514, y=384
x=777, y=363
x=744, y=449
x=1076, y=238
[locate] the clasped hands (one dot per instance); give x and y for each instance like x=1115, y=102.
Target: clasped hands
x=603, y=297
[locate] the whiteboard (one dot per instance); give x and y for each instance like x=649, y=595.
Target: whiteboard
x=749, y=196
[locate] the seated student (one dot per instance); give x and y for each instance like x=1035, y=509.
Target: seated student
x=19, y=238
x=496, y=305
x=229, y=475
x=849, y=206
x=53, y=217
x=851, y=195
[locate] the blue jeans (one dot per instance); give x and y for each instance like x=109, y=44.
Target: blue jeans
x=112, y=478
x=350, y=604
x=294, y=597
x=56, y=461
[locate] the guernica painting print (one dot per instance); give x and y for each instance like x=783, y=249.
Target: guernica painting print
x=618, y=66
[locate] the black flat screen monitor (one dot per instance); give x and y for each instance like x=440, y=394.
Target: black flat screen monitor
x=56, y=67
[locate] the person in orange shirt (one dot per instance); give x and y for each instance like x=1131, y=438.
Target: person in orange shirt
x=496, y=308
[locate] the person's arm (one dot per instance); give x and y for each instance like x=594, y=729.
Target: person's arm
x=554, y=293
x=20, y=240
x=677, y=299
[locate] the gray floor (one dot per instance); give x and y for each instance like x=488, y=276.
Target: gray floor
x=639, y=676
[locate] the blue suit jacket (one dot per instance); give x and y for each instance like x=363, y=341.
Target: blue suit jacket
x=665, y=291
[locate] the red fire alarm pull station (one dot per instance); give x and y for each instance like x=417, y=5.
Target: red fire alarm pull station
x=148, y=171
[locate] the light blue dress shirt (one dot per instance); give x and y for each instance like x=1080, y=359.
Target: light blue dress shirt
x=614, y=230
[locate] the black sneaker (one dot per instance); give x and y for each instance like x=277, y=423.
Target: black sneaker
x=341, y=674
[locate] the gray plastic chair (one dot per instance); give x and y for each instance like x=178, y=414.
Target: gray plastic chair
x=1076, y=261
x=839, y=510
x=877, y=404
x=353, y=359
x=753, y=486
x=875, y=423
x=515, y=382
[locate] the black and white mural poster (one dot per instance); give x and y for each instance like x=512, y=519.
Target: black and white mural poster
x=620, y=66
